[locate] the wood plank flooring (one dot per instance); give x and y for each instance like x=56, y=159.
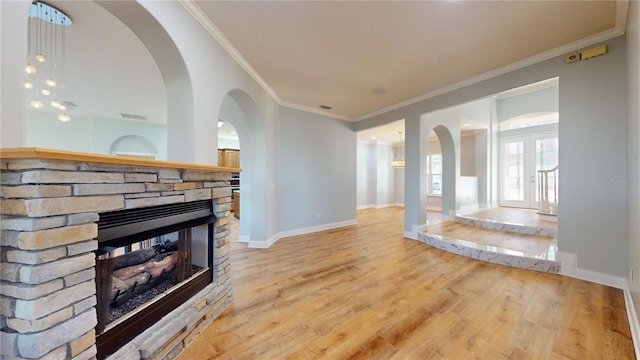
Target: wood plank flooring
x=366, y=292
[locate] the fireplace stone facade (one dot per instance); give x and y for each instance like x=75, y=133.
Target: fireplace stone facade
x=50, y=202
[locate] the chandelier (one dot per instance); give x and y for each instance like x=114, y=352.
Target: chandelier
x=398, y=161
x=46, y=57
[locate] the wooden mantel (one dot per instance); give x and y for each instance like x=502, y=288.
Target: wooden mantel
x=48, y=154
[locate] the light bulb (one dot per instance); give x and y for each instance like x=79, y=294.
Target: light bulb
x=30, y=69
x=64, y=117
x=45, y=92
x=62, y=106
x=36, y=103
x=50, y=82
x=28, y=85
x=41, y=58
x=55, y=103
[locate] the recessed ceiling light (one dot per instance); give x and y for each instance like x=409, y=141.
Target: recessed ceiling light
x=373, y=138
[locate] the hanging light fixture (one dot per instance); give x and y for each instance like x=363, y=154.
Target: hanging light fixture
x=399, y=157
x=46, y=55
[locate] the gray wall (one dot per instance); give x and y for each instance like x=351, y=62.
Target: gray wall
x=545, y=100
x=593, y=222
x=377, y=179
x=633, y=146
x=317, y=167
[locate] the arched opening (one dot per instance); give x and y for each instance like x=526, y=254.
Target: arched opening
x=447, y=169
x=169, y=61
x=239, y=112
x=434, y=178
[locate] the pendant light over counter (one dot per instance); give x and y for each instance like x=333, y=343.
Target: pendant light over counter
x=398, y=161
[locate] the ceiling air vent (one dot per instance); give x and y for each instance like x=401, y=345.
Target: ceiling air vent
x=325, y=107
x=133, y=117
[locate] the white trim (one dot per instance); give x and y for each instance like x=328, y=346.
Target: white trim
x=569, y=268
x=378, y=206
x=282, y=234
x=411, y=235
x=434, y=208
x=622, y=7
x=197, y=13
x=315, y=111
x=213, y=30
x=243, y=238
x=590, y=40
x=633, y=320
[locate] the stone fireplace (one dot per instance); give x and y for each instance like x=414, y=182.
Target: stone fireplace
x=59, y=248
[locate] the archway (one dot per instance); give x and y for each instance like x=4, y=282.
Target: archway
x=180, y=123
x=448, y=169
x=240, y=111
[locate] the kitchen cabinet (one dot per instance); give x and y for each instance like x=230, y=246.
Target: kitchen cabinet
x=229, y=158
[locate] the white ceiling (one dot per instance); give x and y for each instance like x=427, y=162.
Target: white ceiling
x=342, y=54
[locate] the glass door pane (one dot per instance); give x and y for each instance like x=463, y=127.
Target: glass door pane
x=513, y=171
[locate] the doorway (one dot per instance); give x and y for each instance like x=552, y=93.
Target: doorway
x=523, y=159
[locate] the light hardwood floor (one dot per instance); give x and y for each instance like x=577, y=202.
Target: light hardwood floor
x=366, y=292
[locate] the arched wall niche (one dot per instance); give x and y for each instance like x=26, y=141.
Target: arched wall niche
x=134, y=145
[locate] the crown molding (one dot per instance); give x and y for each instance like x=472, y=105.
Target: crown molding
x=213, y=30
x=315, y=111
x=622, y=8
x=590, y=40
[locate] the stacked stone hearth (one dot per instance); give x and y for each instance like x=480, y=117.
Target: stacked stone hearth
x=49, y=206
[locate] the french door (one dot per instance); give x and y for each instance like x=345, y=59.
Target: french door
x=520, y=160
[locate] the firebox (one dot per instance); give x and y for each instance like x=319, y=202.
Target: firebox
x=149, y=261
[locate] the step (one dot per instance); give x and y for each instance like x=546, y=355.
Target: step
x=531, y=252
x=506, y=226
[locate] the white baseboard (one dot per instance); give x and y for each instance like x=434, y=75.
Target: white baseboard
x=243, y=238
x=282, y=234
x=411, y=235
x=633, y=320
x=570, y=268
x=378, y=206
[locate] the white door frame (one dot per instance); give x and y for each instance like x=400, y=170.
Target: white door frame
x=529, y=176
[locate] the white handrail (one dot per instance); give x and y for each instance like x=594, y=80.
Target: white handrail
x=546, y=204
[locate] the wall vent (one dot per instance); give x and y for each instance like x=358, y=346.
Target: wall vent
x=70, y=104
x=326, y=107
x=133, y=117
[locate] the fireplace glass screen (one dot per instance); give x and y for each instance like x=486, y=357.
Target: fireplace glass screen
x=149, y=261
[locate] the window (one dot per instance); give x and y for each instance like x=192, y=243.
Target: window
x=434, y=174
